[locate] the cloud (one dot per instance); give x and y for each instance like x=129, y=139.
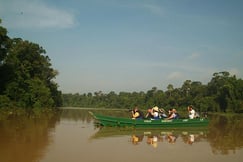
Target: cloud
x=194, y=55
x=35, y=14
x=174, y=75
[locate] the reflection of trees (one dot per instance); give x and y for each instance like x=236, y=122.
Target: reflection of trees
x=83, y=115
x=226, y=134
x=25, y=140
x=76, y=115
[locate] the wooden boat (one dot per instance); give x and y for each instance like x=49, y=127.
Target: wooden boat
x=148, y=123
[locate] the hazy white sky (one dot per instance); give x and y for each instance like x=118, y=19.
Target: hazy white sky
x=131, y=45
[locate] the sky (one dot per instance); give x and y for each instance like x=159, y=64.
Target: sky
x=131, y=45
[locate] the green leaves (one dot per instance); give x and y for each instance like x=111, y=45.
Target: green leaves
x=224, y=93
x=26, y=74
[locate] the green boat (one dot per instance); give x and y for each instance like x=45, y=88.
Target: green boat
x=109, y=121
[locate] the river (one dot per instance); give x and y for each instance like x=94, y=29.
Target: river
x=71, y=136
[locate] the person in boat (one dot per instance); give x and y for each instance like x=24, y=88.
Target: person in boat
x=149, y=114
x=177, y=115
x=192, y=113
x=153, y=113
x=137, y=114
x=173, y=114
x=162, y=113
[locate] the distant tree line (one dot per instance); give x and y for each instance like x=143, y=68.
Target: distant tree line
x=26, y=75
x=224, y=93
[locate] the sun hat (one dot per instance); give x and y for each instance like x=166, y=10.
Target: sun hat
x=156, y=108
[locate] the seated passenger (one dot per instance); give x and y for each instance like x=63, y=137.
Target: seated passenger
x=137, y=114
x=149, y=114
x=162, y=113
x=173, y=114
x=192, y=113
x=176, y=113
x=153, y=113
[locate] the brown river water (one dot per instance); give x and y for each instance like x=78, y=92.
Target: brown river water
x=72, y=136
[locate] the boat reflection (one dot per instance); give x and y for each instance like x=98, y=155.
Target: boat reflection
x=152, y=140
x=136, y=139
x=153, y=137
x=223, y=134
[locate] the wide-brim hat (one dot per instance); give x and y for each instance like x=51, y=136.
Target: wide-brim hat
x=156, y=108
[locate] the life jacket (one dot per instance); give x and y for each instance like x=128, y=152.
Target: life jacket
x=177, y=116
x=141, y=115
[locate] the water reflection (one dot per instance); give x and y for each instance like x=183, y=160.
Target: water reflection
x=77, y=114
x=153, y=140
x=42, y=139
x=224, y=134
x=136, y=139
x=25, y=139
x=154, y=137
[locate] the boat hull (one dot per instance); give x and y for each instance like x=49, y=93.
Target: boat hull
x=162, y=123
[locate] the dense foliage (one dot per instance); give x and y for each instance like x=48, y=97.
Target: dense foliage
x=224, y=93
x=26, y=75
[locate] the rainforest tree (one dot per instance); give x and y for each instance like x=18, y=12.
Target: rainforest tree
x=26, y=75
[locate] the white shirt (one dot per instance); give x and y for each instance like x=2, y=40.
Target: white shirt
x=192, y=114
x=156, y=114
